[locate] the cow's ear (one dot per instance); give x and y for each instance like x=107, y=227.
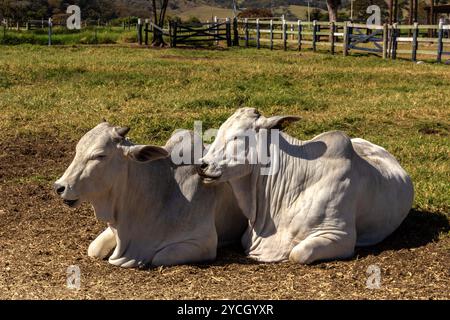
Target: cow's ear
x=143, y=153
x=277, y=122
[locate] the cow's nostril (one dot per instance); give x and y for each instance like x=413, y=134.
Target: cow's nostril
x=203, y=166
x=60, y=190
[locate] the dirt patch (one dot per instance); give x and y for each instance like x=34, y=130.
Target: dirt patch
x=436, y=128
x=40, y=238
x=33, y=157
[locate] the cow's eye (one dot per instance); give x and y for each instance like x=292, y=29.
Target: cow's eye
x=98, y=157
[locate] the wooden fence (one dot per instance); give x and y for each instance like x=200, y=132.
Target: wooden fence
x=43, y=24
x=386, y=40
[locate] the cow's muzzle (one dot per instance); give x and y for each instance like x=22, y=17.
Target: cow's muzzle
x=60, y=190
x=208, y=172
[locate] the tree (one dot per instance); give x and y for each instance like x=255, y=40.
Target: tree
x=5, y=8
x=15, y=9
x=318, y=14
x=333, y=6
x=159, y=8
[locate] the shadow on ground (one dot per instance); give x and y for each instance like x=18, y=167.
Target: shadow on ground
x=418, y=229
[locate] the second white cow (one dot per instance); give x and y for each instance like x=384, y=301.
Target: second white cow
x=327, y=195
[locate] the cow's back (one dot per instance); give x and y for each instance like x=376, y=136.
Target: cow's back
x=385, y=192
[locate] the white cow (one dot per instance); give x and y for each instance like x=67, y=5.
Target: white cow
x=328, y=194
x=157, y=212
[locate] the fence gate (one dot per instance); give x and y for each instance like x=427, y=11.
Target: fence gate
x=200, y=33
x=364, y=34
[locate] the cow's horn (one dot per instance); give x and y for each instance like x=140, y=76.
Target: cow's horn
x=122, y=131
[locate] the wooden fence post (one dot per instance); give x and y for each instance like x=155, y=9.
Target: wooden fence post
x=394, y=41
x=271, y=34
x=217, y=29
x=350, y=33
x=332, y=29
x=314, y=35
x=415, y=43
x=246, y=32
x=139, y=31
x=146, y=31
x=385, y=40
x=174, y=33
x=284, y=35
x=171, y=33
x=292, y=32
x=345, y=41
x=299, y=44
x=235, y=32
x=257, y=34
x=228, y=28
x=50, y=24
x=440, y=45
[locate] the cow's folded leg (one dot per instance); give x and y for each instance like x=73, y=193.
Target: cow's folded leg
x=103, y=245
x=325, y=246
x=186, y=252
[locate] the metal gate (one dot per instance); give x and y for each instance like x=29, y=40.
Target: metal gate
x=358, y=35
x=200, y=33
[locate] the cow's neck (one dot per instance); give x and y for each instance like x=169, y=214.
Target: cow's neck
x=107, y=206
x=136, y=222
x=263, y=198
